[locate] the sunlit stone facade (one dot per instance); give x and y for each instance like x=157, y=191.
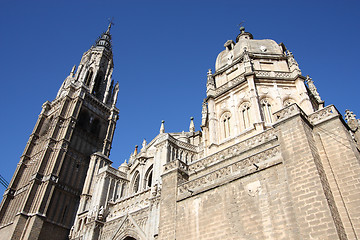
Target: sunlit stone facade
x=271, y=160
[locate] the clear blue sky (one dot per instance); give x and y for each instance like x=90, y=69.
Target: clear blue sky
x=162, y=50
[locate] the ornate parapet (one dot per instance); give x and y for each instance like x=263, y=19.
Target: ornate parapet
x=113, y=171
x=272, y=74
x=249, y=165
x=232, y=83
x=130, y=204
x=233, y=150
x=323, y=115
x=288, y=112
x=177, y=164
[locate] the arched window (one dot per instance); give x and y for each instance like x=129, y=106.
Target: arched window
x=148, y=177
x=136, y=182
x=95, y=127
x=84, y=120
x=88, y=77
x=225, y=122
x=129, y=238
x=245, y=116
x=266, y=109
x=79, y=225
x=122, y=190
x=98, y=80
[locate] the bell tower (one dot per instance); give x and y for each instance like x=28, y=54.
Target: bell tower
x=43, y=195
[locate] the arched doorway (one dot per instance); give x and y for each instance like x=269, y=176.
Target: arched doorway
x=129, y=238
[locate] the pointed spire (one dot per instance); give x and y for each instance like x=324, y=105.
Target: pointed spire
x=105, y=39
x=136, y=150
x=109, y=27
x=210, y=80
x=115, y=93
x=192, y=126
x=312, y=88
x=204, y=113
x=143, y=145
x=72, y=73
x=162, y=127
x=351, y=120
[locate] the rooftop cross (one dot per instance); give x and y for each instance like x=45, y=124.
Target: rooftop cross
x=111, y=22
x=242, y=28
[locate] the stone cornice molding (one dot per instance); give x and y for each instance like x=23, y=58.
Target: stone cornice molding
x=244, y=167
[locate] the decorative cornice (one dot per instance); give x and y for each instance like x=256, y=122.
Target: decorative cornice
x=239, y=169
x=233, y=150
x=323, y=115
x=288, y=112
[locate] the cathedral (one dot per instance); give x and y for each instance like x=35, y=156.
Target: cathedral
x=271, y=160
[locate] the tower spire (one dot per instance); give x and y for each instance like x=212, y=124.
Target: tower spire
x=105, y=39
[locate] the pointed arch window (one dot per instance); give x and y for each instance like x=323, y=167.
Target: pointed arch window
x=266, y=109
x=245, y=116
x=88, y=77
x=148, y=177
x=98, y=80
x=136, y=182
x=226, y=126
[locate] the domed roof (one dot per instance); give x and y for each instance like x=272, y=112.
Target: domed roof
x=233, y=51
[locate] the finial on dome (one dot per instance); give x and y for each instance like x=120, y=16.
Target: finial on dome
x=243, y=34
x=242, y=29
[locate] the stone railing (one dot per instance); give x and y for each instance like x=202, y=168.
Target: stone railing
x=182, y=144
x=131, y=203
x=323, y=114
x=234, y=150
x=178, y=143
x=116, y=172
x=229, y=84
x=243, y=167
x=272, y=74
x=177, y=164
x=288, y=112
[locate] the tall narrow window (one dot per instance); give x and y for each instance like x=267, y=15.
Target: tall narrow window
x=266, y=109
x=245, y=116
x=98, y=80
x=88, y=77
x=225, y=122
x=148, y=177
x=136, y=183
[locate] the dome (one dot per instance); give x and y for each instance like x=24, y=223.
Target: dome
x=234, y=51
x=124, y=167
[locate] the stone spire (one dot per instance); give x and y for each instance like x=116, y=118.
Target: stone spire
x=162, y=127
x=204, y=113
x=105, y=39
x=293, y=65
x=192, y=126
x=351, y=120
x=143, y=145
x=313, y=89
x=72, y=73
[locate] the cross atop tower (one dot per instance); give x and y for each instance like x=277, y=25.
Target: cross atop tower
x=111, y=23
